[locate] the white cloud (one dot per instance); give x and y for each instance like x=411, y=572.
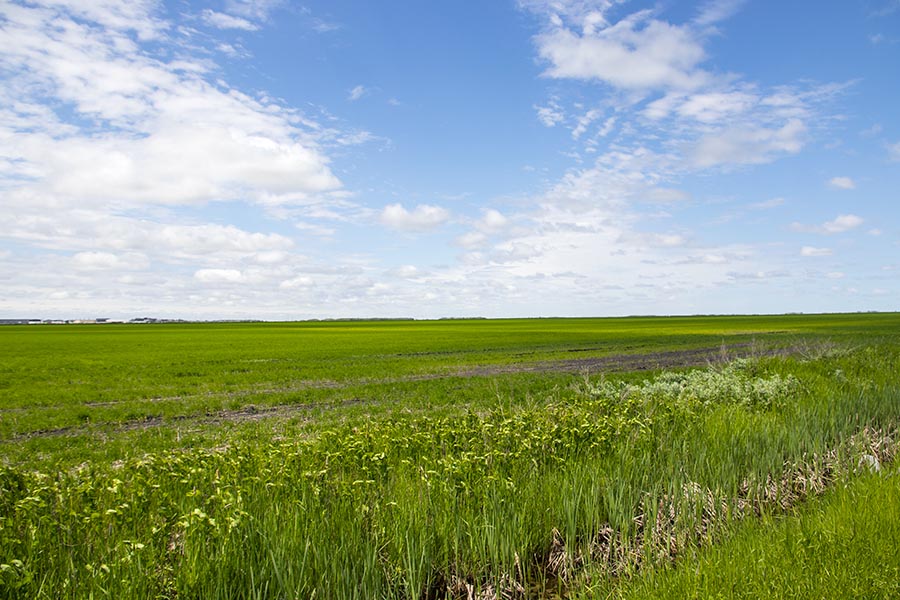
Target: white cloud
x=472, y=239
x=748, y=145
x=219, y=276
x=146, y=132
x=813, y=251
x=423, y=217
x=584, y=121
x=257, y=10
x=270, y=257
x=550, y=115
x=356, y=93
x=492, y=221
x=136, y=15
x=406, y=272
x=102, y=261
x=715, y=107
x=638, y=52
x=112, y=157
x=301, y=281
x=842, y=183
x=840, y=224
x=323, y=26
x=99, y=232
x=224, y=21
x=717, y=10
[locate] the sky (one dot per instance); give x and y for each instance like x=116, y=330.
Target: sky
x=268, y=159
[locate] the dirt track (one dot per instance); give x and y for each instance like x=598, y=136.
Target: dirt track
x=618, y=363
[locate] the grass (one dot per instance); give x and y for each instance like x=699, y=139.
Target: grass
x=88, y=381
x=843, y=545
x=515, y=485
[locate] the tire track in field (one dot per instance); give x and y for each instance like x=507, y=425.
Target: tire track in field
x=617, y=363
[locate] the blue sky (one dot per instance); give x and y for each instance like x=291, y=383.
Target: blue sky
x=278, y=160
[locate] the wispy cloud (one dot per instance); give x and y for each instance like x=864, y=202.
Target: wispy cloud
x=894, y=152
x=767, y=204
x=813, y=251
x=748, y=145
x=840, y=224
x=551, y=114
x=714, y=11
x=886, y=8
x=258, y=10
x=224, y=21
x=357, y=92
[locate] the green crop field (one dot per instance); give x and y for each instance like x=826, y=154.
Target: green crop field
x=482, y=459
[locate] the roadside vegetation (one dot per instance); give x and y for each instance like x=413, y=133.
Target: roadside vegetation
x=844, y=546
x=480, y=483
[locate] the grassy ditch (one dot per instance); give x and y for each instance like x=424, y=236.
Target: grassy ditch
x=841, y=546
x=529, y=499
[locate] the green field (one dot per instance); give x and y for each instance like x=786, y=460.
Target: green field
x=532, y=458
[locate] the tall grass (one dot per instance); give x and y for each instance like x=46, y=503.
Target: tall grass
x=842, y=546
x=522, y=500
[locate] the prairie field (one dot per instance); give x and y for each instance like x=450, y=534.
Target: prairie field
x=645, y=457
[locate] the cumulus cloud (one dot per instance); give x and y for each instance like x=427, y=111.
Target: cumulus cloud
x=842, y=183
x=492, y=220
x=117, y=143
x=842, y=223
x=491, y=223
x=145, y=131
x=423, y=217
x=638, y=52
